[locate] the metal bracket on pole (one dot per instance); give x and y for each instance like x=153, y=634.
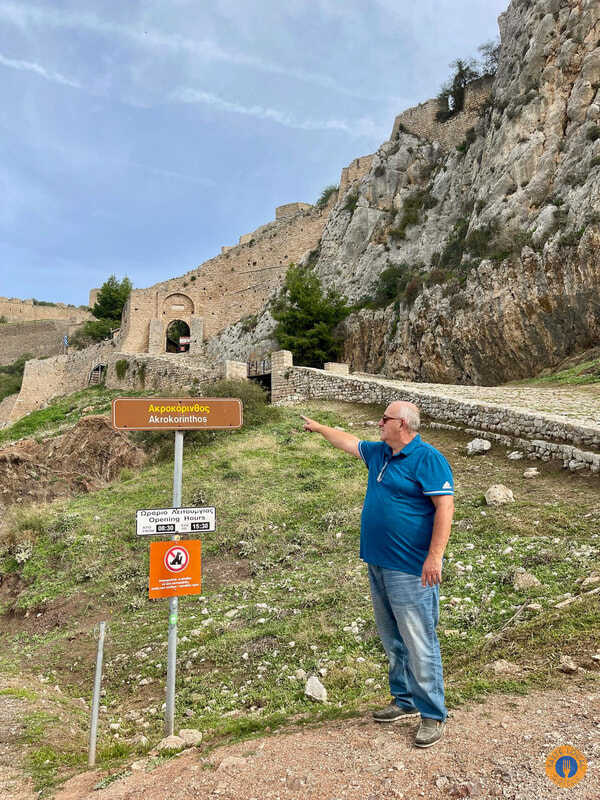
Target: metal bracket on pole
x=96, y=696
x=173, y=601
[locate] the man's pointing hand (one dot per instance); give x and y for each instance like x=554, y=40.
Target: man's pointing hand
x=309, y=424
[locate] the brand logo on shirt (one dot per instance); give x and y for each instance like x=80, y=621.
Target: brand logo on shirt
x=447, y=485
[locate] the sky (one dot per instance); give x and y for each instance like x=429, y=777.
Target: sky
x=137, y=137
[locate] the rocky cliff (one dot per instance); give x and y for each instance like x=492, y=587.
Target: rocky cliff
x=480, y=263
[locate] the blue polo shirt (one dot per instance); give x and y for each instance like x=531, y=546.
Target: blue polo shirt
x=397, y=515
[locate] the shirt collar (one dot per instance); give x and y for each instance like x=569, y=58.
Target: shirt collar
x=406, y=450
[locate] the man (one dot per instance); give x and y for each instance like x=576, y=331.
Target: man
x=405, y=526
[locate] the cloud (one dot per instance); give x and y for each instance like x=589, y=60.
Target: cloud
x=361, y=127
x=205, y=49
x=30, y=66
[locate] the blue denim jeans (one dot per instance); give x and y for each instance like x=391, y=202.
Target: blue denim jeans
x=407, y=614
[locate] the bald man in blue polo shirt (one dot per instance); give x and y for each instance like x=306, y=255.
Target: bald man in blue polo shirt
x=405, y=527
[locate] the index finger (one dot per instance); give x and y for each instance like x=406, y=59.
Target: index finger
x=307, y=419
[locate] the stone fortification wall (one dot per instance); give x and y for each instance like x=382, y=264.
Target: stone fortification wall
x=421, y=120
x=159, y=373
x=56, y=376
x=225, y=288
x=25, y=311
x=539, y=435
x=40, y=338
x=354, y=172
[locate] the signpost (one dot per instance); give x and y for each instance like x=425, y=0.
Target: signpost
x=177, y=569
x=151, y=521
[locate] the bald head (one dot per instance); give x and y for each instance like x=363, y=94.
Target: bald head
x=406, y=411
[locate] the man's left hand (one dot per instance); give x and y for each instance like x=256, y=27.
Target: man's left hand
x=432, y=571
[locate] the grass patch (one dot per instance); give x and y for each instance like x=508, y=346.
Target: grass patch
x=284, y=589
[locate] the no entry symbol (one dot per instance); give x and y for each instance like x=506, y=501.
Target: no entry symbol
x=176, y=558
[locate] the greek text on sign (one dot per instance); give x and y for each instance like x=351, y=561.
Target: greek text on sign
x=150, y=521
x=176, y=413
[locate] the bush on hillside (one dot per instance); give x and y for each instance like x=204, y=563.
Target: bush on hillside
x=111, y=299
x=92, y=331
x=11, y=376
x=326, y=194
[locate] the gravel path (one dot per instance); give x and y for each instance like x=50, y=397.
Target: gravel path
x=572, y=403
x=493, y=750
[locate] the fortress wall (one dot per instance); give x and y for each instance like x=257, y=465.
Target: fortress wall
x=421, y=120
x=56, y=376
x=225, y=288
x=40, y=338
x=356, y=170
x=165, y=373
x=25, y=311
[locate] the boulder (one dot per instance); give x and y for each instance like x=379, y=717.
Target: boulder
x=478, y=447
x=567, y=665
x=170, y=743
x=190, y=736
x=498, y=494
x=315, y=689
x=532, y=472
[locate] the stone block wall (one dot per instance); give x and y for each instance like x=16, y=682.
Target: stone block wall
x=38, y=337
x=165, y=373
x=356, y=170
x=539, y=435
x=224, y=289
x=56, y=376
x=25, y=311
x=421, y=120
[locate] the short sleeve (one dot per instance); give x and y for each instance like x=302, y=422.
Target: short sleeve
x=367, y=450
x=433, y=473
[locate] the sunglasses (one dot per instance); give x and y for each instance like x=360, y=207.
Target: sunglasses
x=384, y=419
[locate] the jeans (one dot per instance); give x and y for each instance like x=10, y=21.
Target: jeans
x=406, y=614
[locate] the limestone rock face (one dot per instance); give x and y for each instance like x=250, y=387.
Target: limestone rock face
x=523, y=203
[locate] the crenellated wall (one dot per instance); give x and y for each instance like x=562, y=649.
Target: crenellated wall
x=421, y=120
x=15, y=310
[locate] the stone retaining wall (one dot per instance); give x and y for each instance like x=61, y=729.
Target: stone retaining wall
x=540, y=435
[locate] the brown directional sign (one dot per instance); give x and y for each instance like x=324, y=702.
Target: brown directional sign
x=176, y=413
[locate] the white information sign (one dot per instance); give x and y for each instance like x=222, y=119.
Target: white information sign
x=151, y=521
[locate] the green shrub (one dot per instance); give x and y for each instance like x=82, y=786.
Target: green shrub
x=92, y=331
x=453, y=251
x=351, y=202
x=326, y=194
x=571, y=239
x=595, y=162
x=3, y=320
x=306, y=318
x=121, y=368
x=593, y=133
x=249, y=323
x=11, y=376
x=42, y=303
x=411, y=212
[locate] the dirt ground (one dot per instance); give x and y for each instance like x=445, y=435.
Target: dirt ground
x=496, y=749
x=85, y=458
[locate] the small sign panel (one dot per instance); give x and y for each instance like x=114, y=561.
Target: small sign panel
x=151, y=521
x=175, y=568
x=176, y=413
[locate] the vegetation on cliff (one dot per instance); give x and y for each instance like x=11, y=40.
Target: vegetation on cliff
x=107, y=309
x=11, y=376
x=307, y=317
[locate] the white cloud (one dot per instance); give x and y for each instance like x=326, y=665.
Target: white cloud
x=359, y=128
x=204, y=49
x=30, y=66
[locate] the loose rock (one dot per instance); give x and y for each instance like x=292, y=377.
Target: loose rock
x=190, y=736
x=532, y=472
x=478, y=446
x=170, y=743
x=315, y=689
x=567, y=665
x=498, y=494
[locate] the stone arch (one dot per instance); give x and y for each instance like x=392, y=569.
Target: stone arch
x=177, y=306
x=175, y=329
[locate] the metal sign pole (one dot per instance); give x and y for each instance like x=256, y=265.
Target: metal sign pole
x=173, y=601
x=96, y=697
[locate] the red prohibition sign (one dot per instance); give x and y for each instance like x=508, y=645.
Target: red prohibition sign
x=176, y=558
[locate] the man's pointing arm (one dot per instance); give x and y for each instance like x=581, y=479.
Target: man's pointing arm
x=340, y=439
